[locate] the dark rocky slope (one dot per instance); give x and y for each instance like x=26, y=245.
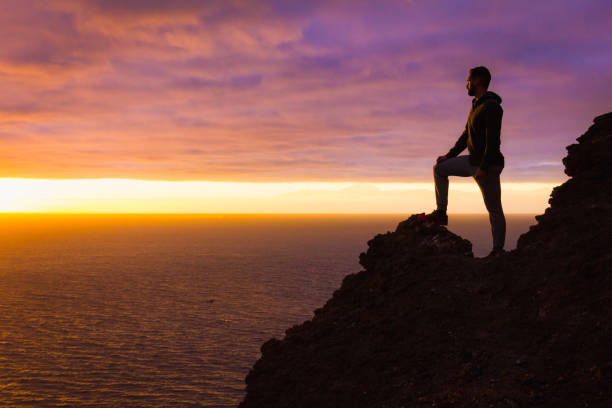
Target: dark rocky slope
x=427, y=325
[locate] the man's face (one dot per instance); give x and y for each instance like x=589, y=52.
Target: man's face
x=472, y=83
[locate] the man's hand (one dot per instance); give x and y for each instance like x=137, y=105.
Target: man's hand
x=441, y=158
x=480, y=173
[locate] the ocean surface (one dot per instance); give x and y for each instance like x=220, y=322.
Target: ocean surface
x=168, y=310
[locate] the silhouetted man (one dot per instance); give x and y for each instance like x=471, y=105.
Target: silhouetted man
x=484, y=162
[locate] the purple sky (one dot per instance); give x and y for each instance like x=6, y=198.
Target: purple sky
x=291, y=90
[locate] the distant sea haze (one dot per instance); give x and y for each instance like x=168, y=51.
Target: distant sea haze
x=168, y=310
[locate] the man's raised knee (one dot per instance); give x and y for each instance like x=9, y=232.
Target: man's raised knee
x=438, y=170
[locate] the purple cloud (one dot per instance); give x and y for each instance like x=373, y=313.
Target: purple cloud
x=291, y=90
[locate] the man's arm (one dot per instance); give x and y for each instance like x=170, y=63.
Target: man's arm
x=460, y=145
x=493, y=120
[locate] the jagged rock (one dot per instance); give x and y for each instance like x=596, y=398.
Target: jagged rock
x=582, y=205
x=592, y=156
x=413, y=238
x=427, y=325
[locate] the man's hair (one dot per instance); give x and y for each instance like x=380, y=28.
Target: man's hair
x=482, y=73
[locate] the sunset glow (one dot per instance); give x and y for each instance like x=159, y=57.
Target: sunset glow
x=142, y=196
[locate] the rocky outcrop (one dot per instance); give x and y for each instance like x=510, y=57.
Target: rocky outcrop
x=426, y=324
x=412, y=239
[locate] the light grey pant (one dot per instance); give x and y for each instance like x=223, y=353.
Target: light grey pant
x=490, y=188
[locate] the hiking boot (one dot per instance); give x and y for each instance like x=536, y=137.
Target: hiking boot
x=496, y=252
x=436, y=216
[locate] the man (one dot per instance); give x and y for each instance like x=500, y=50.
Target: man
x=484, y=162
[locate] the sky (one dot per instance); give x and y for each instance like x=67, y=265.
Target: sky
x=320, y=95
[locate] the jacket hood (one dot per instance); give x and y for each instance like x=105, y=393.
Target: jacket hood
x=490, y=95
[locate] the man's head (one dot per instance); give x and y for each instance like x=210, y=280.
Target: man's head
x=478, y=81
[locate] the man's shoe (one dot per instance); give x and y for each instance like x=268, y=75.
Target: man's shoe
x=436, y=216
x=496, y=252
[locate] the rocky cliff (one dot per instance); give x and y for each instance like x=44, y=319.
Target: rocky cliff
x=426, y=324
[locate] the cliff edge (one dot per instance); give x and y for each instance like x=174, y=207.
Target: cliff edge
x=426, y=324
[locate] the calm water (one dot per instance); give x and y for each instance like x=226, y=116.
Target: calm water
x=168, y=311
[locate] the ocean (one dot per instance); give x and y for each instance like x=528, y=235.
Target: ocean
x=168, y=310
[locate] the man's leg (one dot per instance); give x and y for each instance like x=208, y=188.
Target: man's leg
x=490, y=186
x=455, y=166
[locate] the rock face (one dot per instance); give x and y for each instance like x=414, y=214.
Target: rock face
x=427, y=325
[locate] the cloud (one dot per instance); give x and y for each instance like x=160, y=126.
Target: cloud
x=290, y=90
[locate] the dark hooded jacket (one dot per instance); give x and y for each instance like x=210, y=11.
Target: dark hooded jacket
x=482, y=132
